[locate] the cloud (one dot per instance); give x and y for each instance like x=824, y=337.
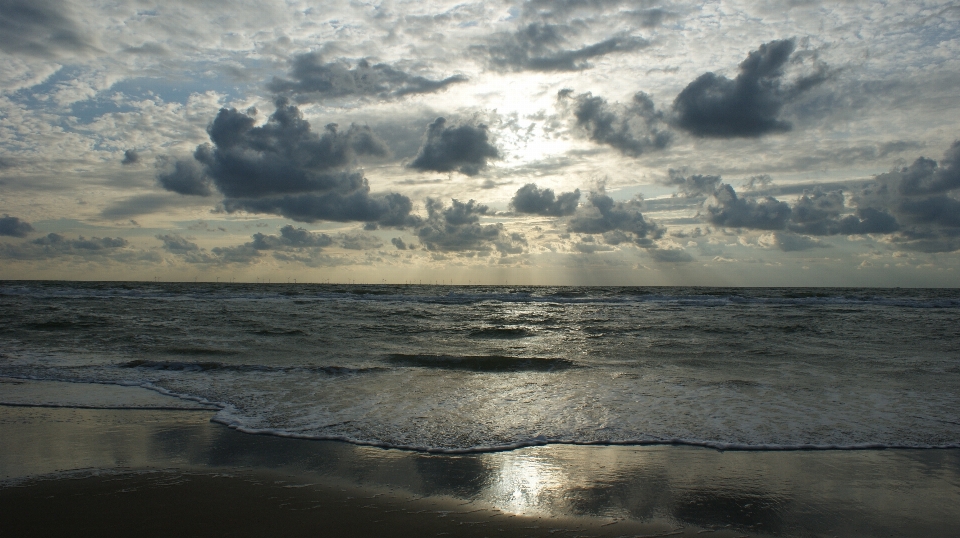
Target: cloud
x=670, y=255
x=789, y=242
x=40, y=28
x=130, y=156
x=282, y=167
x=299, y=243
x=632, y=129
x=918, y=201
x=926, y=176
x=359, y=241
x=141, y=205
x=462, y=148
x=312, y=79
x=54, y=245
x=541, y=47
x=531, y=200
x=457, y=228
x=14, y=227
x=183, y=176
x=397, y=242
x=748, y=106
x=177, y=244
x=724, y=208
x=817, y=213
x=694, y=185
x=602, y=215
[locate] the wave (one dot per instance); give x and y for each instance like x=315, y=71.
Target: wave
x=309, y=293
x=543, y=441
x=481, y=363
x=187, y=366
x=501, y=333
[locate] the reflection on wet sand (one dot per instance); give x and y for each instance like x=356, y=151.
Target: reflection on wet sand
x=843, y=493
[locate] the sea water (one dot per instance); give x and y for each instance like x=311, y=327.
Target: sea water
x=478, y=368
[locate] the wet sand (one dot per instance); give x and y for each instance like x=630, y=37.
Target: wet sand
x=160, y=472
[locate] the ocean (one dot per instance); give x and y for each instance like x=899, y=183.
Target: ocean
x=460, y=369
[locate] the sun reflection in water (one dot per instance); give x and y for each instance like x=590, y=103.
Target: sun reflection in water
x=524, y=483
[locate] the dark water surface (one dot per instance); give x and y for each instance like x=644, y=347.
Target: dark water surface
x=470, y=368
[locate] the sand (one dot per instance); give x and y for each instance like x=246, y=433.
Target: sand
x=150, y=472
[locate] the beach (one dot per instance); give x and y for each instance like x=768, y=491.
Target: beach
x=221, y=409
x=153, y=472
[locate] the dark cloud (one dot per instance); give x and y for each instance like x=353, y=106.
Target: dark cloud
x=926, y=176
x=918, y=201
x=54, y=245
x=725, y=209
x=283, y=167
x=457, y=228
x=59, y=242
x=313, y=79
x=941, y=211
x=693, y=185
x=462, y=148
x=14, y=227
x=183, y=176
x=602, y=215
x=868, y=220
x=633, y=129
x=545, y=47
x=397, y=242
x=290, y=237
x=177, y=244
x=748, y=106
x=531, y=200
x=359, y=241
x=130, y=156
x=817, y=213
x=293, y=244
x=40, y=28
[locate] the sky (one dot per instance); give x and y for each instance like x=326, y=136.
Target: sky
x=580, y=142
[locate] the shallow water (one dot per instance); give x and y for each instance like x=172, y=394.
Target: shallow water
x=460, y=369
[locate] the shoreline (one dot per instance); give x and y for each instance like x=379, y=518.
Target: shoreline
x=598, y=490
x=163, y=400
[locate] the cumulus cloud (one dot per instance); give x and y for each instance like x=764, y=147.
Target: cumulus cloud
x=463, y=148
x=177, y=244
x=54, y=245
x=14, y=227
x=130, y=156
x=926, y=176
x=183, y=176
x=42, y=28
x=397, y=242
x=457, y=228
x=531, y=200
x=724, y=208
x=545, y=47
x=818, y=213
x=618, y=221
x=921, y=199
x=749, y=105
x=292, y=244
x=633, y=129
x=283, y=167
x=692, y=185
x=313, y=79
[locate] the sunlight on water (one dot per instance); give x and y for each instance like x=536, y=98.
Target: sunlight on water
x=525, y=483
